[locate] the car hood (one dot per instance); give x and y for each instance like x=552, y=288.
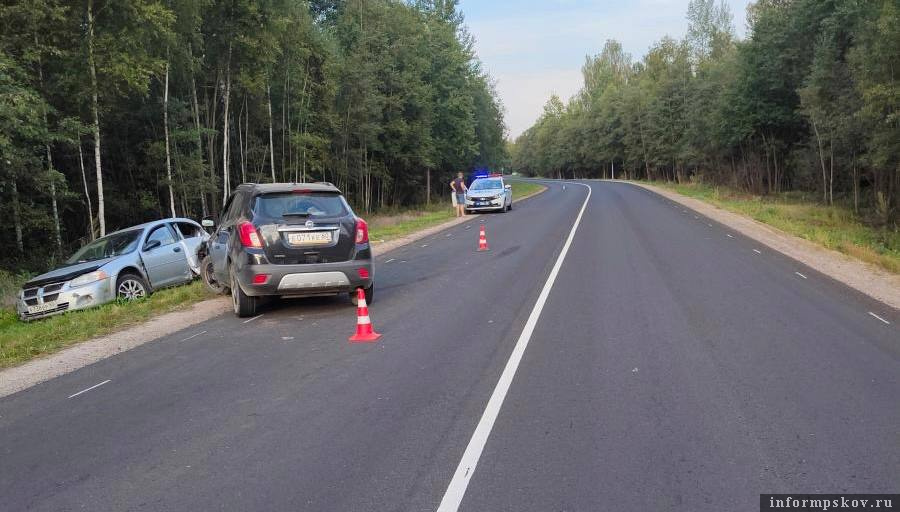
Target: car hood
x=66, y=273
x=486, y=193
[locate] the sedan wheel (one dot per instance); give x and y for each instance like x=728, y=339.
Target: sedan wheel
x=209, y=277
x=131, y=287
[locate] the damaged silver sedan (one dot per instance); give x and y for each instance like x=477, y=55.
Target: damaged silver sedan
x=128, y=264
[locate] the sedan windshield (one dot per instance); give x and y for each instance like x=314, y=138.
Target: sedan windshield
x=110, y=246
x=486, y=184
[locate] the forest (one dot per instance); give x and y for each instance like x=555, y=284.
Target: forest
x=807, y=103
x=115, y=112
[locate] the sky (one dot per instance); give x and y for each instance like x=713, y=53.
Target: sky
x=536, y=48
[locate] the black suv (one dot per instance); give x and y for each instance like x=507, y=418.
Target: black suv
x=290, y=240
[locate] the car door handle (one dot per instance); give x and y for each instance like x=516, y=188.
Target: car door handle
x=177, y=249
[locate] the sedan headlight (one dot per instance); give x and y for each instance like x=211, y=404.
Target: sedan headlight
x=90, y=277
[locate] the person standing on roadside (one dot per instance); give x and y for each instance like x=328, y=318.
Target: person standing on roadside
x=459, y=192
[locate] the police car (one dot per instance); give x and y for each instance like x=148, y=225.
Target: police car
x=489, y=193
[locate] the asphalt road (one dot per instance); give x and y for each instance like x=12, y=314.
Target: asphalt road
x=669, y=364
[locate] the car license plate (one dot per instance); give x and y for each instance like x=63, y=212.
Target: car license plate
x=481, y=203
x=40, y=308
x=310, y=238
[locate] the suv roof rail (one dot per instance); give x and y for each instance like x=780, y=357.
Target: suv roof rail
x=330, y=184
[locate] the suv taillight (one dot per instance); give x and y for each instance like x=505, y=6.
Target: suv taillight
x=249, y=236
x=362, y=231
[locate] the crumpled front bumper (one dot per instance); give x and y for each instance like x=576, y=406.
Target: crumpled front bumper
x=68, y=299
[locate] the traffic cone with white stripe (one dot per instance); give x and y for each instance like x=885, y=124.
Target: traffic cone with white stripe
x=482, y=240
x=364, y=331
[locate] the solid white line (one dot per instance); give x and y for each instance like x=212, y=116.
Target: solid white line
x=801, y=275
x=390, y=260
x=878, y=317
x=252, y=319
x=757, y=251
x=466, y=468
x=194, y=336
x=90, y=388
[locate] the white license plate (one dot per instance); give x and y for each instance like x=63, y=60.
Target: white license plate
x=40, y=308
x=310, y=238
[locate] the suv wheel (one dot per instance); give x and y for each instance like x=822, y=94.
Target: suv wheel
x=244, y=305
x=370, y=295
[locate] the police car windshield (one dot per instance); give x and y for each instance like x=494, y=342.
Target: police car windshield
x=486, y=184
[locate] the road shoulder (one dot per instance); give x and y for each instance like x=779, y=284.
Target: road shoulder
x=863, y=277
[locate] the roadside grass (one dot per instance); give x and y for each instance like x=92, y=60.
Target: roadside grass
x=9, y=286
x=21, y=341
x=399, y=223
x=834, y=227
x=523, y=189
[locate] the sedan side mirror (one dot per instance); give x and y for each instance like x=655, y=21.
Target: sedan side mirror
x=208, y=222
x=152, y=244
x=508, y=187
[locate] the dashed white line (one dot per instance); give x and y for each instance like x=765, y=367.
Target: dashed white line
x=194, y=336
x=247, y=321
x=424, y=245
x=801, y=275
x=757, y=251
x=95, y=386
x=708, y=224
x=878, y=317
x=390, y=260
x=696, y=216
x=466, y=468
x=729, y=235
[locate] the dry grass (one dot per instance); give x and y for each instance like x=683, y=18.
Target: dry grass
x=834, y=227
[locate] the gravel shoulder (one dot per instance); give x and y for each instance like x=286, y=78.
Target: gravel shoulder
x=18, y=378
x=863, y=277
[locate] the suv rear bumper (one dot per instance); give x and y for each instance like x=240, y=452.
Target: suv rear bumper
x=306, y=279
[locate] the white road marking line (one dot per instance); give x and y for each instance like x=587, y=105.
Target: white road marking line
x=194, y=336
x=252, y=319
x=801, y=275
x=390, y=260
x=878, y=317
x=457, y=488
x=757, y=251
x=90, y=388
x=729, y=235
x=424, y=245
x=696, y=216
x=708, y=224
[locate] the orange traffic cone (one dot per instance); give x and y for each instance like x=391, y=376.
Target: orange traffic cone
x=482, y=240
x=364, y=331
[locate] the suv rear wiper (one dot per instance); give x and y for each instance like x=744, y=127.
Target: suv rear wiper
x=295, y=214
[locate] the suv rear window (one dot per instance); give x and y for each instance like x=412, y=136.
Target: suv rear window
x=322, y=204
